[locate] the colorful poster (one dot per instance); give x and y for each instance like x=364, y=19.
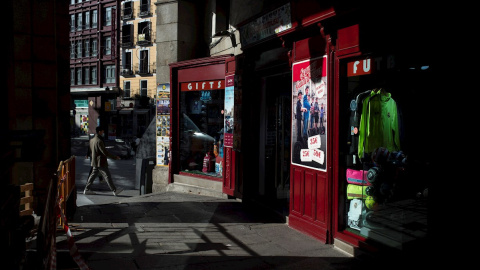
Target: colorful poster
x=163, y=124
x=228, y=111
x=112, y=131
x=309, y=113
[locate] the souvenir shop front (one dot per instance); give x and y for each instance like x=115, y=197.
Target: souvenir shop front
x=360, y=149
x=202, y=122
x=382, y=121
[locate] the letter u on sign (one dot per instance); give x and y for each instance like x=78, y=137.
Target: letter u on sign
x=359, y=67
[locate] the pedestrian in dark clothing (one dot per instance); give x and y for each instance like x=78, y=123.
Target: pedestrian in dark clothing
x=100, y=163
x=89, y=155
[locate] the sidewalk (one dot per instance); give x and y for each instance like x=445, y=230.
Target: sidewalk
x=185, y=231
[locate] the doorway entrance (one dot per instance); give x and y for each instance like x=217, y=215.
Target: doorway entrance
x=274, y=158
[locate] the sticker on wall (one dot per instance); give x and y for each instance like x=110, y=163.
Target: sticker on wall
x=163, y=124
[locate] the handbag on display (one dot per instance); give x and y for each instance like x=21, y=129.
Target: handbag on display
x=356, y=192
x=357, y=177
x=354, y=214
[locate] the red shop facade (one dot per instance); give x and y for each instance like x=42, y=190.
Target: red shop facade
x=328, y=124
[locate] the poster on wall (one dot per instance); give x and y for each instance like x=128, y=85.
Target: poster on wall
x=112, y=131
x=228, y=111
x=309, y=118
x=163, y=124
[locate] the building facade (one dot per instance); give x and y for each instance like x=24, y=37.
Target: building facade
x=94, y=63
x=302, y=105
x=138, y=69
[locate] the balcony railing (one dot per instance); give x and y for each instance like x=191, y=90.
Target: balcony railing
x=127, y=14
x=145, y=69
x=126, y=72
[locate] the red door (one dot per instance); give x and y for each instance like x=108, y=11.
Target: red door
x=309, y=187
x=229, y=153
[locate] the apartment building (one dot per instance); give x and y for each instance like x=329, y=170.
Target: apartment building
x=138, y=66
x=94, y=62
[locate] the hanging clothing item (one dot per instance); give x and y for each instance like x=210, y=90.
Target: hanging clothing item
x=378, y=123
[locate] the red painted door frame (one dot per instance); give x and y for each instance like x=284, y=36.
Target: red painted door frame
x=229, y=154
x=310, y=189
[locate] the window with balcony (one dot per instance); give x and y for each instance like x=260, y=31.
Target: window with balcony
x=143, y=63
x=79, y=76
x=72, y=76
x=72, y=50
x=87, y=48
x=127, y=35
x=109, y=74
x=79, y=49
x=94, y=47
x=127, y=64
x=108, y=45
x=143, y=88
x=79, y=21
x=72, y=23
x=127, y=11
x=94, y=18
x=86, y=75
x=126, y=89
x=144, y=37
x=108, y=16
x=87, y=19
x=144, y=8
x=94, y=75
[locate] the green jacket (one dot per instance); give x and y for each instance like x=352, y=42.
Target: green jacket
x=378, y=123
x=99, y=153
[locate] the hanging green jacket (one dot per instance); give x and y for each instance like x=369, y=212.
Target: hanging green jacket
x=378, y=123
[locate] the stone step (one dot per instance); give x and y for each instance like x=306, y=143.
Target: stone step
x=198, y=186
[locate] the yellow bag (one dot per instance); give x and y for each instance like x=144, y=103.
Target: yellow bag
x=356, y=192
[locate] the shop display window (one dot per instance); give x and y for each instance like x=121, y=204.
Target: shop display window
x=384, y=148
x=202, y=132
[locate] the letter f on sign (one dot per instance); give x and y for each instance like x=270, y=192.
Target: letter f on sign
x=355, y=66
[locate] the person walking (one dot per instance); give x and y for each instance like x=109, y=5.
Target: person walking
x=89, y=155
x=100, y=163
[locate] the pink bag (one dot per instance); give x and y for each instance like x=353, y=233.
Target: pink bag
x=357, y=177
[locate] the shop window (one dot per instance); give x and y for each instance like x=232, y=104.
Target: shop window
x=201, y=131
x=384, y=153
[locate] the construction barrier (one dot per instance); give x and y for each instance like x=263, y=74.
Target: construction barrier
x=62, y=188
x=66, y=188
x=27, y=200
